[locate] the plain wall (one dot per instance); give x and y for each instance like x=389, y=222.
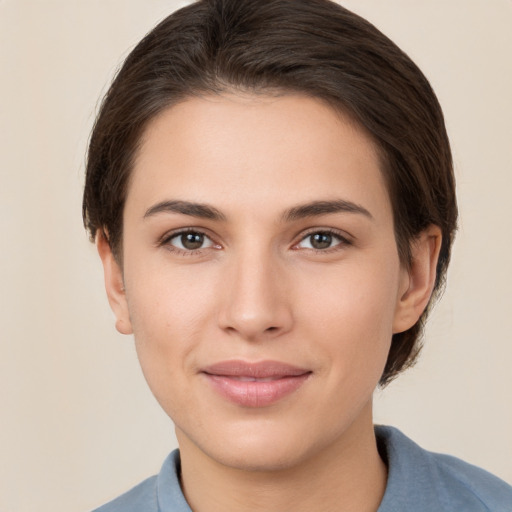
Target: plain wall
x=78, y=425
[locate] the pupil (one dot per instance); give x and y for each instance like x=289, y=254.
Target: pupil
x=321, y=240
x=192, y=240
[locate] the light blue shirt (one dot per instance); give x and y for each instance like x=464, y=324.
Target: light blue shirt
x=418, y=481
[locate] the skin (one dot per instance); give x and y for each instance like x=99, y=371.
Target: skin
x=256, y=289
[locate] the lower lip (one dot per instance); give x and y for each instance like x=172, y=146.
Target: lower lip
x=256, y=393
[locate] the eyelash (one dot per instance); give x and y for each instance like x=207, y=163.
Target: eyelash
x=166, y=242
x=343, y=241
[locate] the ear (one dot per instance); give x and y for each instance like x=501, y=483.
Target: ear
x=114, y=284
x=418, y=281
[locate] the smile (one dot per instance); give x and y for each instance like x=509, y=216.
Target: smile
x=255, y=384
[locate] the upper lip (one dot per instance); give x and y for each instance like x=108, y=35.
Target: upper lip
x=256, y=370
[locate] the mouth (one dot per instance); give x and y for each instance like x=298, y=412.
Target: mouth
x=243, y=378
x=257, y=384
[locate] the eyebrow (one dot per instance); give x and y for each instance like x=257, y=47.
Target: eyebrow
x=316, y=208
x=200, y=210
x=205, y=211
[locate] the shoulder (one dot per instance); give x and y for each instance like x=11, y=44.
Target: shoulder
x=421, y=480
x=160, y=493
x=142, y=497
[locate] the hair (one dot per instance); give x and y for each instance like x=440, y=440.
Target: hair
x=312, y=47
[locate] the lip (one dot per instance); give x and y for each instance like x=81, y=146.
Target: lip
x=257, y=384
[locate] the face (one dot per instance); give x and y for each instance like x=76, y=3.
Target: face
x=261, y=277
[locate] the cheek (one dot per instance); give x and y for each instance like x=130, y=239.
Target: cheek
x=163, y=298
x=350, y=313
x=169, y=313
x=354, y=291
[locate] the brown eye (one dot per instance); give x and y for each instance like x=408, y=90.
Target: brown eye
x=190, y=241
x=321, y=240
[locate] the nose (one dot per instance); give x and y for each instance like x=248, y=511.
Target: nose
x=257, y=303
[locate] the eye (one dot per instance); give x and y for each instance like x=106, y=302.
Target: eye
x=322, y=240
x=189, y=241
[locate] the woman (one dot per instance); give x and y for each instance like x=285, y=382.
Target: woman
x=270, y=188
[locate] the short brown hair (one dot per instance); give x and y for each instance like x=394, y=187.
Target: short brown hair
x=314, y=47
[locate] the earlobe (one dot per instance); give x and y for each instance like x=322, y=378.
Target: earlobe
x=418, y=281
x=114, y=284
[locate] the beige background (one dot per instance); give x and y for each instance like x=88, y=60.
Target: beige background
x=78, y=425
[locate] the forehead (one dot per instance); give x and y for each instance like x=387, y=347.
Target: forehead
x=264, y=148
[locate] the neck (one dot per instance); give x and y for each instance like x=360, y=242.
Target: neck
x=348, y=475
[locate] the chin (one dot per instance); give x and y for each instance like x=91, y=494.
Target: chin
x=258, y=447
x=258, y=458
